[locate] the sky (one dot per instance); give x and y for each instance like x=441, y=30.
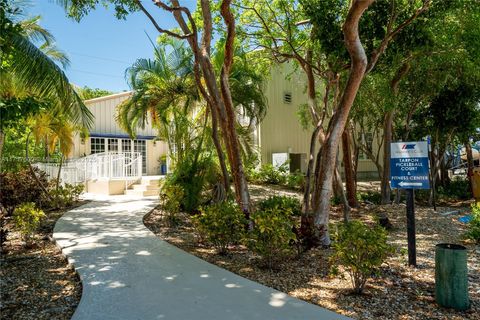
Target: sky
x=100, y=47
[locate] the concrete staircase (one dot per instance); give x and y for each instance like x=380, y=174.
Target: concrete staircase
x=148, y=186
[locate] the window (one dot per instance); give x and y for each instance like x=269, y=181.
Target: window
x=97, y=145
x=126, y=145
x=113, y=145
x=287, y=97
x=141, y=146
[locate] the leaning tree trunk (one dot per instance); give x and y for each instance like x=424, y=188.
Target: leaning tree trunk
x=323, y=185
x=387, y=140
x=349, y=170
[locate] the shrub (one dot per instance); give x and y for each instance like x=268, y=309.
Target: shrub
x=193, y=176
x=19, y=187
x=457, y=189
x=282, y=203
x=296, y=180
x=64, y=196
x=360, y=250
x=221, y=224
x=27, y=219
x=269, y=174
x=170, y=199
x=473, y=232
x=272, y=234
x=370, y=196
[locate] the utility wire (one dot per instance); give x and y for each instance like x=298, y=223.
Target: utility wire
x=100, y=58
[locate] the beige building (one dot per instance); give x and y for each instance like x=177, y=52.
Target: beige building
x=281, y=131
x=106, y=135
x=279, y=135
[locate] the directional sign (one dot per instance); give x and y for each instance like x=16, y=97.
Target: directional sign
x=409, y=165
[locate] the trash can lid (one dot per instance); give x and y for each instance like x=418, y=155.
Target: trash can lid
x=451, y=246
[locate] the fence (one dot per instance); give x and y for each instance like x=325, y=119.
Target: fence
x=106, y=165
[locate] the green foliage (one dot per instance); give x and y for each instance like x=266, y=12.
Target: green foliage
x=19, y=187
x=287, y=204
x=360, y=250
x=27, y=219
x=192, y=176
x=457, y=189
x=87, y=93
x=170, y=199
x=272, y=234
x=473, y=231
x=221, y=224
x=63, y=196
x=296, y=180
x=269, y=174
x=369, y=196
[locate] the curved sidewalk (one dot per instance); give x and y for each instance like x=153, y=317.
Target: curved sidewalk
x=128, y=273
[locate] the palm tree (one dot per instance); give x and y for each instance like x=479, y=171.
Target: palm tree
x=28, y=68
x=165, y=94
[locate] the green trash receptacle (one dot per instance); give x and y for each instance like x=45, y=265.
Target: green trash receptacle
x=451, y=276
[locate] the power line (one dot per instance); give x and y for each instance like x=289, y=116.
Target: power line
x=98, y=74
x=100, y=58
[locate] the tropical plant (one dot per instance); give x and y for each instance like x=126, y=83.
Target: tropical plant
x=272, y=235
x=27, y=218
x=473, y=231
x=19, y=187
x=287, y=204
x=29, y=71
x=165, y=94
x=360, y=250
x=221, y=224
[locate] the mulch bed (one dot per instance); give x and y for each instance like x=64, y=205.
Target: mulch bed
x=37, y=282
x=399, y=292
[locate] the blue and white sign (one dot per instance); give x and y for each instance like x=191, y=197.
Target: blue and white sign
x=409, y=165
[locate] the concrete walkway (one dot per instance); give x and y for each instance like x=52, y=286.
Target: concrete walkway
x=128, y=273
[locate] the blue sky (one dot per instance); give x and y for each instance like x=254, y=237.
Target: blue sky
x=100, y=46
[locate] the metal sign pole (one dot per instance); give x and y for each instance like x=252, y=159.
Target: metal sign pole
x=412, y=248
x=409, y=163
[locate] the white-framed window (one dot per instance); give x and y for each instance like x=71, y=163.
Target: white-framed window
x=112, y=145
x=97, y=145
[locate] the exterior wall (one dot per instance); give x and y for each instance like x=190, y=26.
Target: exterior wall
x=281, y=131
x=107, y=187
x=105, y=126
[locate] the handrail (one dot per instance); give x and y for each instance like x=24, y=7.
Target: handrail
x=105, y=165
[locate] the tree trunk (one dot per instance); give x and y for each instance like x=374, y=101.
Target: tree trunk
x=218, y=98
x=348, y=167
x=468, y=151
x=32, y=171
x=59, y=172
x=220, y=154
x=387, y=140
x=323, y=185
x=341, y=192
x=2, y=142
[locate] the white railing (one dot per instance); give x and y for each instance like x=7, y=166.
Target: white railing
x=106, y=165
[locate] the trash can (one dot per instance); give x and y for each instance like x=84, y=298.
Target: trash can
x=476, y=183
x=451, y=276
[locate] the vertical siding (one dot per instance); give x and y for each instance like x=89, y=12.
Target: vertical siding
x=104, y=111
x=281, y=131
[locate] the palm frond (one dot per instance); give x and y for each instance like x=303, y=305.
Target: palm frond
x=37, y=71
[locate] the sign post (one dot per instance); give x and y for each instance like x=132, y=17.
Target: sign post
x=409, y=170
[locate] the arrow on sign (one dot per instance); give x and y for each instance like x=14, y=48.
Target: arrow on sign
x=413, y=184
